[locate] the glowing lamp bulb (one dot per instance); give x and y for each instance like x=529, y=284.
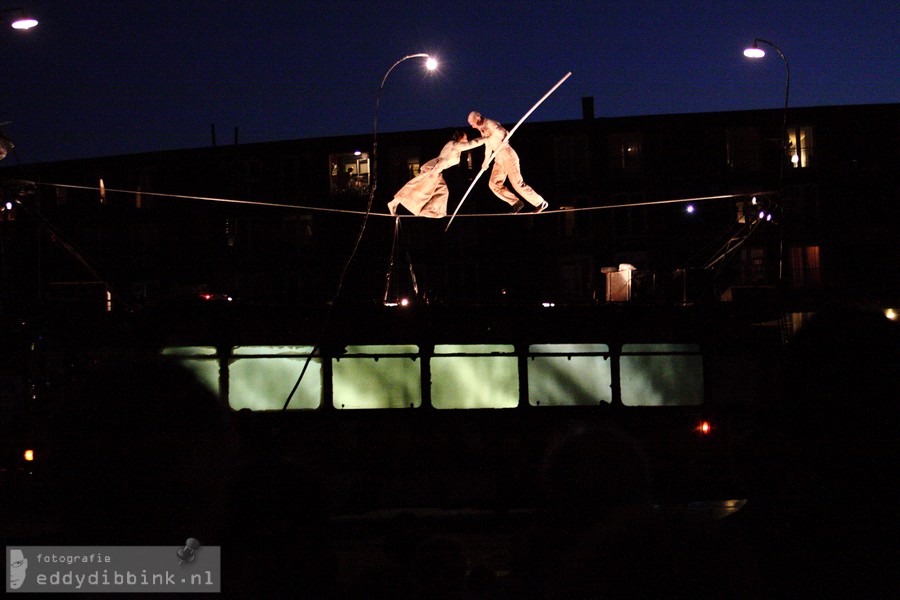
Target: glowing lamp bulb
x=29, y=455
x=431, y=64
x=754, y=52
x=24, y=23
x=690, y=209
x=704, y=428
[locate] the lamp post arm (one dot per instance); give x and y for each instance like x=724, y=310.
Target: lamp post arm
x=787, y=68
x=784, y=142
x=787, y=93
x=375, y=123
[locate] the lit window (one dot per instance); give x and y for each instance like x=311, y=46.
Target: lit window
x=568, y=374
x=413, y=167
x=201, y=361
x=661, y=375
x=262, y=377
x=259, y=377
x=377, y=377
x=474, y=376
x=349, y=173
x=800, y=144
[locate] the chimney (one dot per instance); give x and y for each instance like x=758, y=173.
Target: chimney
x=587, y=108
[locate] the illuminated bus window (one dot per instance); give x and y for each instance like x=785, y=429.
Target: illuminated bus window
x=202, y=361
x=661, y=375
x=474, y=376
x=568, y=374
x=262, y=377
x=377, y=377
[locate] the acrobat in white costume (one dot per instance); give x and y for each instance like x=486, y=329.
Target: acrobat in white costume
x=506, y=165
x=426, y=194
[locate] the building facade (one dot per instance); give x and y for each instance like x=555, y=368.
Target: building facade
x=685, y=208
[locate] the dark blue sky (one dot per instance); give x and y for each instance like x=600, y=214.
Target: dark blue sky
x=107, y=77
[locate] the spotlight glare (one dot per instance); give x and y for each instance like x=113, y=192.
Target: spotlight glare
x=431, y=64
x=690, y=209
x=753, y=201
x=762, y=214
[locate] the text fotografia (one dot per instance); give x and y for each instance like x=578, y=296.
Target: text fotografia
x=72, y=559
x=115, y=578
x=188, y=567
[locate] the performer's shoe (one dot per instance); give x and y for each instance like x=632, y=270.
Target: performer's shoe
x=519, y=205
x=543, y=206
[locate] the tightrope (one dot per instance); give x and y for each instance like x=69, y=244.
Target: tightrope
x=362, y=212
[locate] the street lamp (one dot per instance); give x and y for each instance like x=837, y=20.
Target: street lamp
x=755, y=52
x=431, y=65
x=22, y=20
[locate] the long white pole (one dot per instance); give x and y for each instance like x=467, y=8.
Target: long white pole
x=505, y=141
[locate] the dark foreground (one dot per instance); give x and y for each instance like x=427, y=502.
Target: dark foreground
x=143, y=455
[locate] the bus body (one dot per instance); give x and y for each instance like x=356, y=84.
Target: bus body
x=460, y=407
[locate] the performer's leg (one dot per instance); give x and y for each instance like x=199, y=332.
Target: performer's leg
x=518, y=183
x=497, y=181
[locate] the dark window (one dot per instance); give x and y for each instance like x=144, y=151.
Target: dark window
x=625, y=152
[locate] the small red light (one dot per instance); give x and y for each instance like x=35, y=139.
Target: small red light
x=206, y=296
x=704, y=428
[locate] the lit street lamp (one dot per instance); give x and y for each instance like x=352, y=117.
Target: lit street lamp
x=431, y=65
x=22, y=20
x=756, y=52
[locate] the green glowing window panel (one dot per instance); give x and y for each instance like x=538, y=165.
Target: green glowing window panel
x=377, y=377
x=262, y=377
x=474, y=376
x=202, y=361
x=568, y=374
x=661, y=375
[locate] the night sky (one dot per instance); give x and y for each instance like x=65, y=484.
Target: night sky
x=109, y=77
